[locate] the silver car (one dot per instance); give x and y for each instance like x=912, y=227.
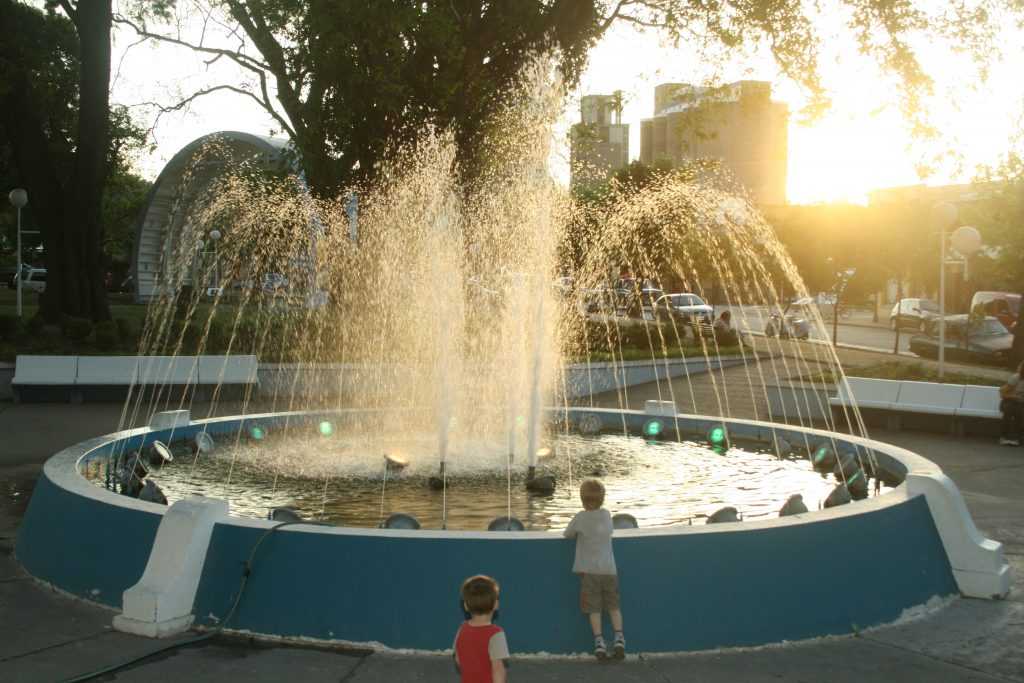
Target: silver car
x=686, y=307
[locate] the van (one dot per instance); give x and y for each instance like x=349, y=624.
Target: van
x=1002, y=305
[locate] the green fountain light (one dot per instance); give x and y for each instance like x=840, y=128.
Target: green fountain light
x=716, y=435
x=326, y=428
x=257, y=432
x=652, y=428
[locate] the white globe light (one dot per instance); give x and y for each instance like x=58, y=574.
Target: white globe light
x=966, y=240
x=945, y=214
x=215, y=235
x=18, y=197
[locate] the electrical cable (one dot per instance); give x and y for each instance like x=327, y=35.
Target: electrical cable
x=204, y=636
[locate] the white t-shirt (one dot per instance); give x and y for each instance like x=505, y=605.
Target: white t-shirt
x=592, y=530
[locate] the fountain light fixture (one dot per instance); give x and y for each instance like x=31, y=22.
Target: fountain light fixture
x=653, y=428
x=717, y=435
x=326, y=428
x=257, y=432
x=204, y=442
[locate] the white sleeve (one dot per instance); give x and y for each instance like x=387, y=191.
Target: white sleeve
x=497, y=646
x=571, y=530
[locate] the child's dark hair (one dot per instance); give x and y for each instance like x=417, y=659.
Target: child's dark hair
x=592, y=494
x=480, y=593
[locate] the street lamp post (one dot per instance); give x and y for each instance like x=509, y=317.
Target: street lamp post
x=18, y=198
x=945, y=215
x=215, y=236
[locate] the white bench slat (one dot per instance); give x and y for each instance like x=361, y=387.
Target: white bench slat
x=107, y=370
x=868, y=393
x=228, y=369
x=930, y=397
x=168, y=370
x=45, y=370
x=980, y=401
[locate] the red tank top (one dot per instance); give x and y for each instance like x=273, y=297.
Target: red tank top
x=471, y=648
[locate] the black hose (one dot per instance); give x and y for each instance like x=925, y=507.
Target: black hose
x=246, y=571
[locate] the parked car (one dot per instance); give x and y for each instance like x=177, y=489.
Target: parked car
x=986, y=340
x=685, y=307
x=1002, y=305
x=32, y=279
x=641, y=304
x=915, y=313
x=274, y=283
x=794, y=322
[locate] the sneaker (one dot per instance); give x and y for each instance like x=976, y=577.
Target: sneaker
x=1008, y=442
x=600, y=651
x=619, y=646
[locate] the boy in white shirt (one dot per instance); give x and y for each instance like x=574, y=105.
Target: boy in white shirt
x=595, y=563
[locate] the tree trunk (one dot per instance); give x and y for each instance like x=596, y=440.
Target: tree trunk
x=83, y=227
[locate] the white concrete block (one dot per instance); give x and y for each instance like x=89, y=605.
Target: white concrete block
x=979, y=567
x=45, y=370
x=662, y=408
x=168, y=370
x=235, y=369
x=160, y=604
x=107, y=370
x=170, y=419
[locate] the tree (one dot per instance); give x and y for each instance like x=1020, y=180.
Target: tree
x=357, y=80
x=55, y=109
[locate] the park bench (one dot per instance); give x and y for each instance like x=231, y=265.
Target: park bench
x=44, y=378
x=99, y=378
x=921, y=403
x=981, y=402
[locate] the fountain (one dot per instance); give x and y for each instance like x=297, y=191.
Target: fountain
x=420, y=345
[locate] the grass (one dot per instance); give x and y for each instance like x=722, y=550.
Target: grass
x=645, y=354
x=915, y=372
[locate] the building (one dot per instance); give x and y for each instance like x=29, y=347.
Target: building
x=599, y=144
x=738, y=124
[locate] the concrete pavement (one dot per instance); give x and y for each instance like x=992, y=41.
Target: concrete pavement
x=47, y=637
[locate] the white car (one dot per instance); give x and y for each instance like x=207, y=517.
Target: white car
x=688, y=308
x=32, y=280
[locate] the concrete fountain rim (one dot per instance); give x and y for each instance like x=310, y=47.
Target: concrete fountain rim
x=64, y=470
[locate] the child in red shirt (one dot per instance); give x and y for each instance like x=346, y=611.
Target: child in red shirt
x=480, y=646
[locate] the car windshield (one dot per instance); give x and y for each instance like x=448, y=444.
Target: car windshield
x=929, y=305
x=686, y=300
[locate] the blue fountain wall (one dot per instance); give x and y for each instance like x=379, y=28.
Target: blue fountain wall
x=682, y=589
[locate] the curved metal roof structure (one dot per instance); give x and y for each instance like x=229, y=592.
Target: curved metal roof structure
x=159, y=223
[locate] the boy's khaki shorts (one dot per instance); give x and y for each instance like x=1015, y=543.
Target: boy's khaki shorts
x=599, y=592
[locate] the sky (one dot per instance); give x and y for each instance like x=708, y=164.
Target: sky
x=862, y=143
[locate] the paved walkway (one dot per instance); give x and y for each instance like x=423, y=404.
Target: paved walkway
x=46, y=637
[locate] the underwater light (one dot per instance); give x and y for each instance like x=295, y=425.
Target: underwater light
x=257, y=432
x=326, y=428
x=652, y=428
x=716, y=435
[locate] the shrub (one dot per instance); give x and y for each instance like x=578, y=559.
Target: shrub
x=106, y=336
x=128, y=331
x=76, y=329
x=10, y=326
x=35, y=323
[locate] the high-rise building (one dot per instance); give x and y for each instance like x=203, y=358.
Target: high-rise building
x=738, y=124
x=599, y=144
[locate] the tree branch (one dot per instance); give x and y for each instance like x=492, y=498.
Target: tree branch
x=182, y=104
x=241, y=59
